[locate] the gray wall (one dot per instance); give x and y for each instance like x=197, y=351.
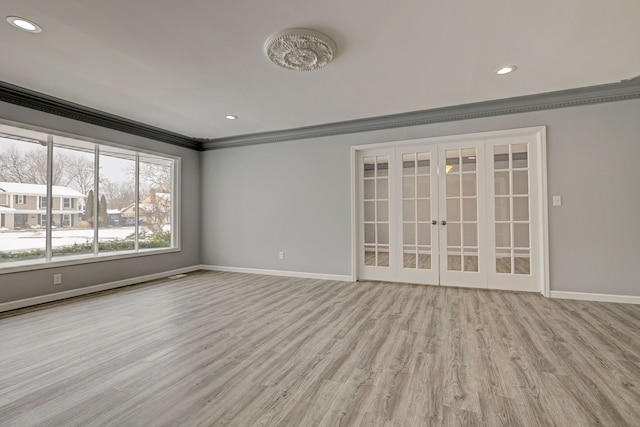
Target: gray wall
x=296, y=197
x=292, y=197
x=15, y=286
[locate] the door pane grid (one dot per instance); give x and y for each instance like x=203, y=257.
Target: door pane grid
x=512, y=215
x=462, y=210
x=376, y=211
x=416, y=215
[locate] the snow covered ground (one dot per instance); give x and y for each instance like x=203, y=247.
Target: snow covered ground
x=35, y=239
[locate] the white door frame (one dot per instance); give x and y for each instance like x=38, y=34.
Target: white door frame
x=542, y=210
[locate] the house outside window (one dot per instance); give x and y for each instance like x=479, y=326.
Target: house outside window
x=66, y=203
x=20, y=199
x=43, y=202
x=43, y=220
x=66, y=220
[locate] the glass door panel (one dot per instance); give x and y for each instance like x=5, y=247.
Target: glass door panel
x=461, y=204
x=375, y=207
x=376, y=211
x=419, y=183
x=511, y=201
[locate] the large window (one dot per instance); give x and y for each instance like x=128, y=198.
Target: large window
x=64, y=199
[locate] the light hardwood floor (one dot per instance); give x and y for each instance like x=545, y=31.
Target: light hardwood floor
x=246, y=350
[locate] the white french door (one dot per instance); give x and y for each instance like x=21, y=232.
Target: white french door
x=463, y=212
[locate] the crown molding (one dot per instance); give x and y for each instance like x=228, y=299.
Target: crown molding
x=611, y=92
x=38, y=101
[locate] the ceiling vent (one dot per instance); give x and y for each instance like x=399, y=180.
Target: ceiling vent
x=300, y=50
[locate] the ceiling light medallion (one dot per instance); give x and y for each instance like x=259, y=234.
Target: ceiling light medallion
x=506, y=70
x=24, y=24
x=300, y=50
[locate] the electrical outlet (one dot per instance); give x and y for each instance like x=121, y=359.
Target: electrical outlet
x=281, y=255
x=57, y=279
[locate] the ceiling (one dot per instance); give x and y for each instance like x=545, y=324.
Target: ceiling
x=182, y=66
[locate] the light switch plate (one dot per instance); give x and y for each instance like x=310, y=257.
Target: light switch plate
x=557, y=201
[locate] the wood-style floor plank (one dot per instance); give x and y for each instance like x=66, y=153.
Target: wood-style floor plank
x=234, y=349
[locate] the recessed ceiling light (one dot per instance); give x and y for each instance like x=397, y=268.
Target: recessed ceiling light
x=506, y=70
x=24, y=24
x=230, y=117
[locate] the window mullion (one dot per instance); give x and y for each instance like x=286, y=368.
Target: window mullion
x=49, y=207
x=96, y=182
x=137, y=201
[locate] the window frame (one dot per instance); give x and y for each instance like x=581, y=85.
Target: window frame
x=66, y=205
x=50, y=261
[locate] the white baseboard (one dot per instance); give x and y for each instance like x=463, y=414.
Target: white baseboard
x=283, y=273
x=585, y=296
x=13, y=305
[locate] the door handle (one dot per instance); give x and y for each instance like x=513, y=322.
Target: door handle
x=443, y=222
x=434, y=222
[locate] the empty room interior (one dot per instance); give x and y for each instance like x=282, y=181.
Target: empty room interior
x=319, y=213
